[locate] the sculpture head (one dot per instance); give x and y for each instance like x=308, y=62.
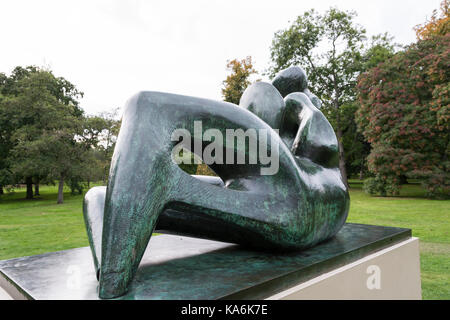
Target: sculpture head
x=292, y=79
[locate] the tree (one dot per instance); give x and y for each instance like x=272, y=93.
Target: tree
x=100, y=133
x=6, y=176
x=233, y=88
x=238, y=80
x=404, y=114
x=8, y=88
x=357, y=148
x=62, y=157
x=44, y=121
x=24, y=95
x=333, y=71
x=437, y=25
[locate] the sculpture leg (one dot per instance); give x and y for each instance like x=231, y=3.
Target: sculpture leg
x=93, y=208
x=131, y=212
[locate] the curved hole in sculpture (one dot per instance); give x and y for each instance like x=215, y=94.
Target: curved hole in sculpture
x=205, y=173
x=196, y=169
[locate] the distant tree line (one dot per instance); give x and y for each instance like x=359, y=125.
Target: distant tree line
x=45, y=137
x=389, y=106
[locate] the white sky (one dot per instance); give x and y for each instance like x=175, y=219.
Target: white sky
x=112, y=49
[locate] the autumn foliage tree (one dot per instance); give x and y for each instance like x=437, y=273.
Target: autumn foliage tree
x=437, y=25
x=238, y=80
x=404, y=114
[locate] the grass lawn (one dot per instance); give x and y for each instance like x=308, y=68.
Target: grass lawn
x=29, y=227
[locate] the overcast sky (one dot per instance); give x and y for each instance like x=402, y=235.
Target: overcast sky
x=114, y=48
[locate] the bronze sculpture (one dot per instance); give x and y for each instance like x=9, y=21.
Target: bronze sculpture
x=301, y=203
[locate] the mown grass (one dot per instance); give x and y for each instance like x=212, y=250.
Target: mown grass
x=29, y=227
x=429, y=221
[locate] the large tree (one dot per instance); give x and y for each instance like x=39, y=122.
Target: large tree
x=329, y=46
x=405, y=115
x=9, y=88
x=44, y=121
x=356, y=147
x=238, y=80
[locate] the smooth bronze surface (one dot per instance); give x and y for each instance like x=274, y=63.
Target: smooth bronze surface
x=301, y=204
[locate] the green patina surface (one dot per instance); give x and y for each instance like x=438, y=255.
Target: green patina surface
x=301, y=204
x=235, y=273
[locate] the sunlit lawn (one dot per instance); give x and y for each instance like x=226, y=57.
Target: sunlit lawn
x=29, y=227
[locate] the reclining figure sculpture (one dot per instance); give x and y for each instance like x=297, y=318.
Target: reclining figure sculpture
x=300, y=205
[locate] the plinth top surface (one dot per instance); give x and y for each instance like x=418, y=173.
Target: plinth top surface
x=175, y=267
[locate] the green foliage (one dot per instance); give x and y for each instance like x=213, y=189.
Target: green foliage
x=332, y=72
x=355, y=146
x=45, y=123
x=45, y=136
x=64, y=91
x=382, y=187
x=371, y=186
x=238, y=80
x=404, y=114
x=381, y=48
x=100, y=134
x=332, y=48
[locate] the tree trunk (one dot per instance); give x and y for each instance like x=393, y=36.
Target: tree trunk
x=403, y=179
x=341, y=156
x=339, y=134
x=104, y=176
x=36, y=189
x=1, y=190
x=29, y=182
x=361, y=174
x=60, y=190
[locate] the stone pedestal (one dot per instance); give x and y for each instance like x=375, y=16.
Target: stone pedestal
x=361, y=262
x=390, y=274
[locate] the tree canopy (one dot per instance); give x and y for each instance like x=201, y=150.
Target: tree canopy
x=45, y=135
x=404, y=114
x=236, y=82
